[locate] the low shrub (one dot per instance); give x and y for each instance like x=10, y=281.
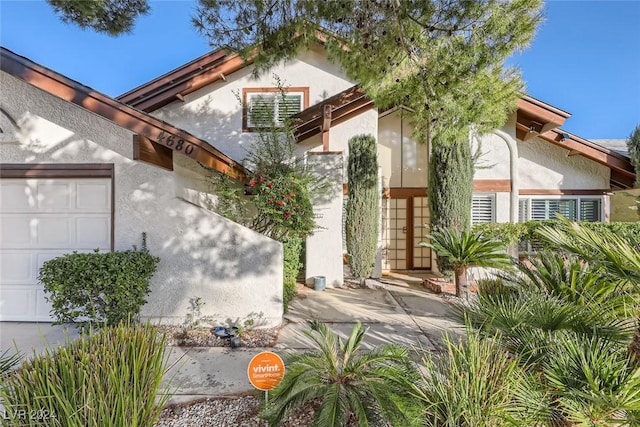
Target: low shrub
x=102, y=288
x=109, y=378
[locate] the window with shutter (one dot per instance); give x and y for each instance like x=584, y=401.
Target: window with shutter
x=577, y=209
x=523, y=210
x=267, y=107
x=483, y=208
x=590, y=209
x=542, y=209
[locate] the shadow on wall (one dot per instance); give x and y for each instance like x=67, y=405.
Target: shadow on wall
x=221, y=129
x=237, y=272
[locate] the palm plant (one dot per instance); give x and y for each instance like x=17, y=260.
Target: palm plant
x=570, y=319
x=619, y=258
x=467, y=249
x=574, y=280
x=348, y=385
x=532, y=323
x=594, y=382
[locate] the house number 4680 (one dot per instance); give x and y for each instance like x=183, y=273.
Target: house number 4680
x=171, y=142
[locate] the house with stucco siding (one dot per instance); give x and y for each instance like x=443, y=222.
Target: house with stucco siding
x=157, y=136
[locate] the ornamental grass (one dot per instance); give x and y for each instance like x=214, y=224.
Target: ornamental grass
x=107, y=378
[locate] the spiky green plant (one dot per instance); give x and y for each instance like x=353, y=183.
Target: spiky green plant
x=467, y=249
x=576, y=281
x=8, y=360
x=109, y=378
x=476, y=383
x=619, y=257
x=595, y=382
x=348, y=384
x=531, y=322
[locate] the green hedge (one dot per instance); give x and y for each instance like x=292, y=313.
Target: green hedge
x=526, y=231
x=103, y=288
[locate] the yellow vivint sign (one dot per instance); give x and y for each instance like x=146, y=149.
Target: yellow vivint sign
x=265, y=370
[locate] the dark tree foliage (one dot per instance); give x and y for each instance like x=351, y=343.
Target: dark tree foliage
x=633, y=144
x=444, y=60
x=113, y=17
x=362, y=205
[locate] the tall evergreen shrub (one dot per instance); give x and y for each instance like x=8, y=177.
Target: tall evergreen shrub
x=450, y=189
x=451, y=185
x=362, y=206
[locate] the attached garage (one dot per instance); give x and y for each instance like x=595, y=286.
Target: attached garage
x=47, y=211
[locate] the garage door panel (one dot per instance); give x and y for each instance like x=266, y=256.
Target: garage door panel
x=17, y=304
x=15, y=231
x=93, y=232
x=93, y=196
x=16, y=197
x=54, y=232
x=17, y=268
x=43, y=307
x=55, y=196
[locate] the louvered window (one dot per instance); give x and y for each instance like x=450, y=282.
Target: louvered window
x=266, y=109
x=590, y=209
x=523, y=210
x=483, y=208
x=576, y=209
x=547, y=209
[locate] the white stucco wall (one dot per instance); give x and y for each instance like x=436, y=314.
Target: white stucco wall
x=540, y=166
x=214, y=112
x=543, y=165
x=236, y=272
x=324, y=246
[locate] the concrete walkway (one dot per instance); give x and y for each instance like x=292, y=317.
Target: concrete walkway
x=402, y=313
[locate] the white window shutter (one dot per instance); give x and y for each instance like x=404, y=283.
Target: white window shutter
x=590, y=210
x=483, y=209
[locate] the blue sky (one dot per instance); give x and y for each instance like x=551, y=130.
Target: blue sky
x=585, y=58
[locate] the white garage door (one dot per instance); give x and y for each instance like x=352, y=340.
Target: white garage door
x=41, y=219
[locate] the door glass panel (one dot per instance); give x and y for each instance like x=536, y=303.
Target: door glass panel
x=394, y=235
x=421, y=256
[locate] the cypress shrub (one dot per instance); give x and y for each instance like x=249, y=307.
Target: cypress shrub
x=450, y=189
x=362, y=206
x=292, y=247
x=451, y=185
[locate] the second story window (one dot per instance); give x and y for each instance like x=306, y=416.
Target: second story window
x=267, y=107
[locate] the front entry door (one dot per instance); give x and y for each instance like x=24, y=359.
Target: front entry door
x=403, y=227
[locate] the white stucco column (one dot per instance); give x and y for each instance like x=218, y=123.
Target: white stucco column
x=513, y=171
x=324, y=246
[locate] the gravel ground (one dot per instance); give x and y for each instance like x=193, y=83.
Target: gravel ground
x=204, y=337
x=241, y=411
